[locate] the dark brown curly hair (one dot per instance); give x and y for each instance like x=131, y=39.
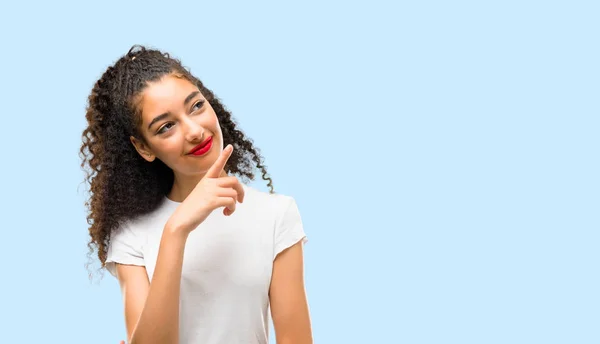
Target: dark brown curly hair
x=122, y=184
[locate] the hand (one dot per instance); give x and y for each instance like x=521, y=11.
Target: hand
x=210, y=193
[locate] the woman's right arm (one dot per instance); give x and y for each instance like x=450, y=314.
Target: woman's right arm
x=148, y=304
x=152, y=307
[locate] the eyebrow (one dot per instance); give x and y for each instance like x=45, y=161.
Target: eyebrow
x=166, y=114
x=190, y=97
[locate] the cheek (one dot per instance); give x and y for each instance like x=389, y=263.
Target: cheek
x=211, y=122
x=217, y=126
x=218, y=133
x=166, y=148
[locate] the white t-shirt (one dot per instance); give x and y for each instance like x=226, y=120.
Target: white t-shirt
x=227, y=264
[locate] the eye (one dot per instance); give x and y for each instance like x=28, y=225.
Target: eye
x=198, y=105
x=165, y=128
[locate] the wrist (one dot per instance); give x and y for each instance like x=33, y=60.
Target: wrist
x=176, y=231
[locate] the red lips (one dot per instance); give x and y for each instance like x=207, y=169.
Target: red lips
x=202, y=147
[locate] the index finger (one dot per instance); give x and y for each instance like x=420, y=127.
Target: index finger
x=215, y=170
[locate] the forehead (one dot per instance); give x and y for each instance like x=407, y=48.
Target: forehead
x=165, y=95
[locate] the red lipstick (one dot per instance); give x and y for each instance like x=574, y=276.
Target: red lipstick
x=202, y=148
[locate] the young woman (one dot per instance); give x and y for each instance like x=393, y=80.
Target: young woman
x=199, y=255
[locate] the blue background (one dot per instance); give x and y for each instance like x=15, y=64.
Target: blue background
x=444, y=157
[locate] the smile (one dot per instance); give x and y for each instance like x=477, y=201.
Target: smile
x=202, y=148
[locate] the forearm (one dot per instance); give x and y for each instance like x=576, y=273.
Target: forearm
x=159, y=320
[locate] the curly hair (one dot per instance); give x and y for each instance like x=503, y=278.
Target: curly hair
x=122, y=184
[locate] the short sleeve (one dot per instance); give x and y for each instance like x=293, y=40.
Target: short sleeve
x=125, y=247
x=288, y=229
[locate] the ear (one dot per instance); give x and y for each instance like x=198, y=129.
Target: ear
x=142, y=149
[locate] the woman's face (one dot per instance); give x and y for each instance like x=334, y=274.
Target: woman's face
x=176, y=120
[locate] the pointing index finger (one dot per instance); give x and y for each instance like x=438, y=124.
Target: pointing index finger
x=215, y=170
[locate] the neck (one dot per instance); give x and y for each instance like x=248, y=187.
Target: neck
x=184, y=185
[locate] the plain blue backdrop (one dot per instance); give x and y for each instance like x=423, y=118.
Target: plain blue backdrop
x=444, y=157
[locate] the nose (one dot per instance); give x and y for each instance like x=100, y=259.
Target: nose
x=193, y=131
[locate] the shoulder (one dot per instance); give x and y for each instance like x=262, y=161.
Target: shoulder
x=281, y=210
x=127, y=241
x=136, y=228
x=273, y=203
x=282, y=214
